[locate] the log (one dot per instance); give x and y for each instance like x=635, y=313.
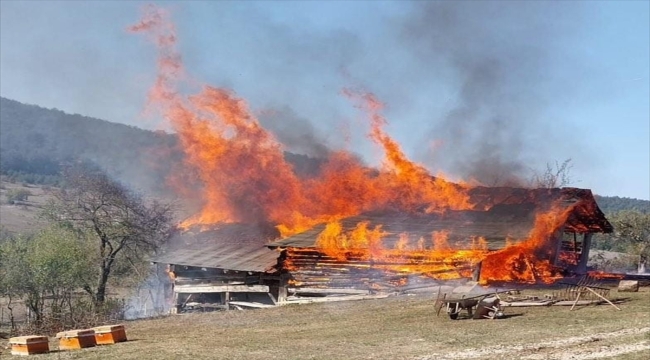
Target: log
x=628, y=286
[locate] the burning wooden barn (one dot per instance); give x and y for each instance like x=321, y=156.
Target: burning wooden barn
x=512, y=234
x=347, y=225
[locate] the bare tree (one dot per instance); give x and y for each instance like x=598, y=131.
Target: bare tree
x=553, y=177
x=121, y=223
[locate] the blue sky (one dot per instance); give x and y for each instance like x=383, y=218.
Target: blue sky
x=498, y=87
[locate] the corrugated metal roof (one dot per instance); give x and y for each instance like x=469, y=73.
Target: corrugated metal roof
x=234, y=257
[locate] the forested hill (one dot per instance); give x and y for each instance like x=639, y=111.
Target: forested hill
x=612, y=204
x=34, y=141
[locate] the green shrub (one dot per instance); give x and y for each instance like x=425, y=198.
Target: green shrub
x=14, y=195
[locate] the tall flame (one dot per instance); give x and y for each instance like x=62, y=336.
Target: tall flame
x=241, y=166
x=244, y=177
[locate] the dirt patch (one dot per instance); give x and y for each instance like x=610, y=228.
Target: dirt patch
x=567, y=348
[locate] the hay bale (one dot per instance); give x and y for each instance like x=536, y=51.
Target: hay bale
x=628, y=286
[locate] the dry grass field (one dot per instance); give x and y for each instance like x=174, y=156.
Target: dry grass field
x=401, y=327
x=23, y=217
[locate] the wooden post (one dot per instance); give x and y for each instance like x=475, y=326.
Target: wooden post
x=282, y=289
x=226, y=300
x=558, y=236
x=476, y=274
x=584, y=254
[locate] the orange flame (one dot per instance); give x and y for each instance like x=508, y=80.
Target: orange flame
x=365, y=244
x=526, y=261
x=170, y=273
x=530, y=260
x=244, y=175
x=601, y=275
x=245, y=178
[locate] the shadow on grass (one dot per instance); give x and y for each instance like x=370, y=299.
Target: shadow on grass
x=95, y=347
x=621, y=300
x=508, y=316
x=616, y=301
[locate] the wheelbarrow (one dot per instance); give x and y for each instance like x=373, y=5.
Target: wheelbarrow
x=484, y=306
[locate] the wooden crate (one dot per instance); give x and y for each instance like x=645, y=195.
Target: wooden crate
x=109, y=334
x=28, y=345
x=76, y=339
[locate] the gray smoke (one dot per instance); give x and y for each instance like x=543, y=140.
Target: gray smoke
x=500, y=55
x=492, y=61
x=296, y=133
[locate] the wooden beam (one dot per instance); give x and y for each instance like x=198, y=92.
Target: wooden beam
x=196, y=289
x=251, y=304
x=334, y=298
x=558, y=237
x=584, y=254
x=476, y=273
x=309, y=290
x=602, y=297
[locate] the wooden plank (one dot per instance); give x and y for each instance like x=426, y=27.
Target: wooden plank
x=309, y=290
x=207, y=282
x=195, y=289
x=527, y=303
x=293, y=300
x=251, y=304
x=549, y=303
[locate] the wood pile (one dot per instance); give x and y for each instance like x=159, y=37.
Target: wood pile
x=315, y=272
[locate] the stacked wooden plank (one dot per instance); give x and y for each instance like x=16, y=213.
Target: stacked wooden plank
x=312, y=269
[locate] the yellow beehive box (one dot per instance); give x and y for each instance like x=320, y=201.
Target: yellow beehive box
x=76, y=339
x=28, y=345
x=109, y=334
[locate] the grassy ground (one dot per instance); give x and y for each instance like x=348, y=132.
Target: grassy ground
x=403, y=327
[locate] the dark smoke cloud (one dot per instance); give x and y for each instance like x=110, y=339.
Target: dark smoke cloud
x=501, y=55
x=296, y=133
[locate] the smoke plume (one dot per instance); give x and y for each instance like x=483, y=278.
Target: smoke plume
x=499, y=54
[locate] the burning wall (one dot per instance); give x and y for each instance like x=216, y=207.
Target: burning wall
x=518, y=239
